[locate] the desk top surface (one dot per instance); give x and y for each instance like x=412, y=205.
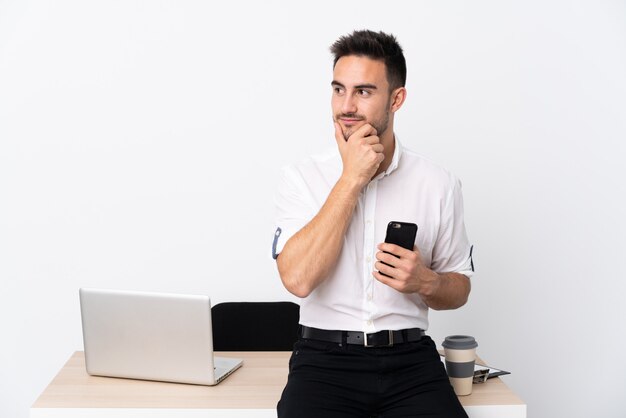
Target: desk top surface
x=256, y=385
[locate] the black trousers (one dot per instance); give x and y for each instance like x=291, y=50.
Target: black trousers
x=331, y=380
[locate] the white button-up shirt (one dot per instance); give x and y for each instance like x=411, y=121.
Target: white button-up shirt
x=413, y=189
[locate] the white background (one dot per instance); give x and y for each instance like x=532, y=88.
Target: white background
x=140, y=144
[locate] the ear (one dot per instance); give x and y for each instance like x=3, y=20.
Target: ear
x=398, y=96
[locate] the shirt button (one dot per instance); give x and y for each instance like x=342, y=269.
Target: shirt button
x=369, y=297
x=368, y=222
x=369, y=322
x=368, y=258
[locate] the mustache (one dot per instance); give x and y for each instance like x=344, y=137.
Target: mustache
x=351, y=116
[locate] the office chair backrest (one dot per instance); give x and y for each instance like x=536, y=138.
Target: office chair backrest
x=255, y=326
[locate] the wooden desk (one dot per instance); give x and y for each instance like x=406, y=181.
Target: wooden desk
x=251, y=391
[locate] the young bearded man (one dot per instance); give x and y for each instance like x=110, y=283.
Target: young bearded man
x=362, y=350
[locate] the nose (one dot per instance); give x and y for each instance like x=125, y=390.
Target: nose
x=348, y=105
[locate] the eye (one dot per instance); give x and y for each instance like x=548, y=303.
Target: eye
x=337, y=90
x=364, y=93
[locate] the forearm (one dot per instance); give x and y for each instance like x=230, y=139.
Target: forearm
x=446, y=291
x=312, y=252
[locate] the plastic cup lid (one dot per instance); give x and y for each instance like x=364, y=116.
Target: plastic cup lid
x=459, y=342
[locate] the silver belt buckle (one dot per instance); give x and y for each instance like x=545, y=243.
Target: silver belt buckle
x=388, y=345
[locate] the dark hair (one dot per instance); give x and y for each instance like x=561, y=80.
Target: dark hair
x=377, y=46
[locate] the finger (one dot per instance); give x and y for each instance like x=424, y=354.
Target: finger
x=389, y=270
x=386, y=280
x=339, y=135
x=365, y=131
x=378, y=148
x=394, y=249
x=393, y=266
x=387, y=258
x=372, y=139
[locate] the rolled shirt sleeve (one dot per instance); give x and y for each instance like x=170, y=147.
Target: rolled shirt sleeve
x=292, y=209
x=452, y=251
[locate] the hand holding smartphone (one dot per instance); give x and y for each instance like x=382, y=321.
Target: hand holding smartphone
x=402, y=234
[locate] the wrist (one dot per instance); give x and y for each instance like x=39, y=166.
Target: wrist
x=351, y=183
x=431, y=284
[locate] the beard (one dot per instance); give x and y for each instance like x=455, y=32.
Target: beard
x=380, y=124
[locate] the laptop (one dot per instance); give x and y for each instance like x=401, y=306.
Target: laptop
x=151, y=336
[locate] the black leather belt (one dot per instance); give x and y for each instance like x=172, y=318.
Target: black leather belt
x=376, y=339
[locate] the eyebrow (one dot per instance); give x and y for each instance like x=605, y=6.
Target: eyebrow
x=360, y=86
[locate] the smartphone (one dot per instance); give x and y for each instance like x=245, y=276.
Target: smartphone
x=402, y=234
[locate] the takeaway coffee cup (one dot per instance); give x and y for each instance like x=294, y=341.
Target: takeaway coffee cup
x=460, y=353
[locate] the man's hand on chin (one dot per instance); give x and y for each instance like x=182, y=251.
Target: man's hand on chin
x=361, y=153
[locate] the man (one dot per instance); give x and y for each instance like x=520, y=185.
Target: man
x=364, y=309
